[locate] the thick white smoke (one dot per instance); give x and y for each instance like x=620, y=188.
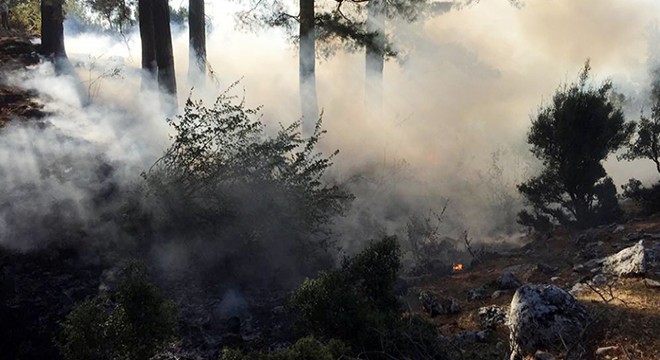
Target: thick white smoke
x=456, y=109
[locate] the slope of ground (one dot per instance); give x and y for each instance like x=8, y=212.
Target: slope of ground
x=626, y=309
x=16, y=53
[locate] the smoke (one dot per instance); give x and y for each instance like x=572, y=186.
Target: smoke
x=455, y=113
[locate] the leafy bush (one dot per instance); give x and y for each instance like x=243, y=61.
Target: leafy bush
x=84, y=332
x=572, y=136
x=224, y=182
x=133, y=323
x=648, y=198
x=356, y=304
x=26, y=15
x=646, y=144
x=352, y=303
x=307, y=348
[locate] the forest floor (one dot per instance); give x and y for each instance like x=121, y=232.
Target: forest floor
x=16, y=53
x=628, y=313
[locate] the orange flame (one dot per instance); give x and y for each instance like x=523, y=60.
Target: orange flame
x=458, y=267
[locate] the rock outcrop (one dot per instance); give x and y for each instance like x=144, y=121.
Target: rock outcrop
x=434, y=306
x=508, y=281
x=630, y=261
x=544, y=317
x=492, y=316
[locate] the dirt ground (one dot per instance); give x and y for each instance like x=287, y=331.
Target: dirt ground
x=626, y=311
x=17, y=52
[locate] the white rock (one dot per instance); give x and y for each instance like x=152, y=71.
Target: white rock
x=544, y=317
x=627, y=262
x=652, y=283
x=605, y=349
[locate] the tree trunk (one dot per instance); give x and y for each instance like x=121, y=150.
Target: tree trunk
x=52, y=30
x=375, y=55
x=163, y=41
x=307, y=58
x=148, y=40
x=197, y=36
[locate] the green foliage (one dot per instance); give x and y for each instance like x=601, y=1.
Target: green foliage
x=648, y=198
x=116, y=13
x=84, y=332
x=307, y=348
x=646, y=145
x=179, y=16
x=133, y=323
x=356, y=301
x=223, y=179
x=26, y=15
x=572, y=137
x=357, y=305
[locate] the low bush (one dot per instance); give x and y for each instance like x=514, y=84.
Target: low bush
x=243, y=196
x=648, y=198
x=357, y=305
x=356, y=301
x=307, y=348
x=132, y=323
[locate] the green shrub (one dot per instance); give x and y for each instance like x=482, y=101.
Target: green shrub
x=26, y=15
x=572, y=136
x=226, y=183
x=646, y=144
x=84, y=332
x=134, y=323
x=355, y=302
x=648, y=198
x=307, y=348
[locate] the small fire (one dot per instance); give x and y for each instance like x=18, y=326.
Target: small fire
x=458, y=267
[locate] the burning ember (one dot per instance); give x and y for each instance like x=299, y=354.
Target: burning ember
x=458, y=267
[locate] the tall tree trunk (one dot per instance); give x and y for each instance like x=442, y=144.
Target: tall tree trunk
x=197, y=36
x=148, y=39
x=375, y=55
x=52, y=31
x=307, y=59
x=163, y=41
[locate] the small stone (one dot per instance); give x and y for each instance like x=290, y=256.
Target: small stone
x=471, y=336
x=546, y=269
x=492, y=316
x=542, y=355
x=594, y=263
x=605, y=349
x=479, y=293
x=599, y=280
x=580, y=289
x=434, y=306
x=508, y=281
x=555, y=278
x=618, y=229
x=652, y=283
x=498, y=293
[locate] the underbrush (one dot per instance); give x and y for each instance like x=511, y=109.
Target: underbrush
x=357, y=305
x=235, y=197
x=647, y=198
x=133, y=322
